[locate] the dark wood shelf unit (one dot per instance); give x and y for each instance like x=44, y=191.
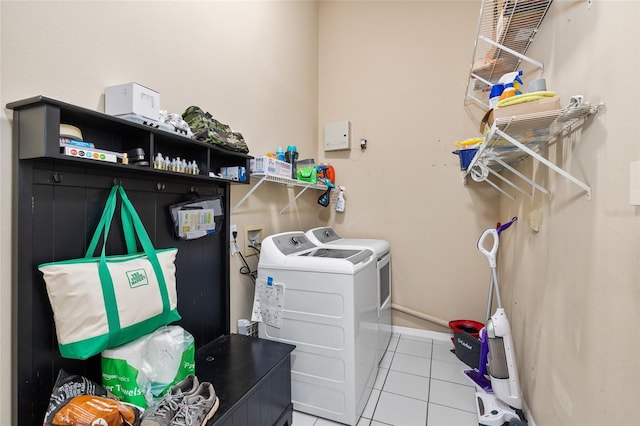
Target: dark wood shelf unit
x=57, y=203
x=252, y=378
x=40, y=133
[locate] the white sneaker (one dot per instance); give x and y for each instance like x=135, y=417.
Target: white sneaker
x=165, y=411
x=197, y=408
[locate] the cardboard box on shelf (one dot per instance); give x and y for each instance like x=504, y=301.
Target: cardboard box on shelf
x=270, y=166
x=551, y=103
x=132, y=98
x=541, y=105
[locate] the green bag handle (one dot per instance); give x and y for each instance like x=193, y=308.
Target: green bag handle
x=107, y=215
x=132, y=227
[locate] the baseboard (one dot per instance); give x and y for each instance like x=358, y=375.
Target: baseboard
x=527, y=413
x=427, y=334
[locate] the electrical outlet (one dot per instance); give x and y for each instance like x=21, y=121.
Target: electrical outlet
x=252, y=238
x=233, y=245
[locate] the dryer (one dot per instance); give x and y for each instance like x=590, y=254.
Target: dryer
x=329, y=312
x=327, y=236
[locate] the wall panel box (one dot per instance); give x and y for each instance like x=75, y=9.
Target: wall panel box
x=132, y=98
x=337, y=136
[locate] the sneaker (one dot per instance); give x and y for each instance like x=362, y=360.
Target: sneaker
x=198, y=408
x=161, y=414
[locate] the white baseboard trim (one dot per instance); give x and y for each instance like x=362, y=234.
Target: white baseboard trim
x=427, y=334
x=527, y=412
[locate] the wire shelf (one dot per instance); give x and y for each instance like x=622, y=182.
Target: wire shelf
x=512, y=139
x=283, y=181
x=506, y=29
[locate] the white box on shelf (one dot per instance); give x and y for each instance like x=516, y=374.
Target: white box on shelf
x=235, y=173
x=270, y=166
x=90, y=154
x=132, y=98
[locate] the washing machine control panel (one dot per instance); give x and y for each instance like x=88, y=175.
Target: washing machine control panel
x=293, y=242
x=326, y=235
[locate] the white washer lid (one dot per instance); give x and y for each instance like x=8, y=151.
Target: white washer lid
x=379, y=247
x=328, y=236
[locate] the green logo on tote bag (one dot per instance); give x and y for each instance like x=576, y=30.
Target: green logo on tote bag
x=137, y=278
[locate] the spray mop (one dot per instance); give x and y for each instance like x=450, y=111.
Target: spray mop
x=501, y=399
x=478, y=376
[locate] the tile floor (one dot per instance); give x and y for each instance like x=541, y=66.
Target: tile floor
x=420, y=383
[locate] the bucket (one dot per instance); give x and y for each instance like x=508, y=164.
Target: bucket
x=469, y=326
x=466, y=341
x=466, y=155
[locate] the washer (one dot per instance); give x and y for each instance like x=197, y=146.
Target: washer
x=329, y=312
x=327, y=236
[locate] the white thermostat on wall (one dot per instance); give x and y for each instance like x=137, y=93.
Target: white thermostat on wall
x=337, y=136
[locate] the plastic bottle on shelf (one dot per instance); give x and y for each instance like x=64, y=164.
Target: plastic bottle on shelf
x=280, y=153
x=514, y=79
x=508, y=92
x=158, y=162
x=510, y=77
x=494, y=96
x=291, y=157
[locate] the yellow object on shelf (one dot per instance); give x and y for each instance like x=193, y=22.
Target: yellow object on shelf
x=525, y=97
x=467, y=142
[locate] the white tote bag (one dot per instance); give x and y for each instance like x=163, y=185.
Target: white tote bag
x=106, y=301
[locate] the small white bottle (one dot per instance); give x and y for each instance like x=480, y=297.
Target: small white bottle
x=340, y=202
x=158, y=162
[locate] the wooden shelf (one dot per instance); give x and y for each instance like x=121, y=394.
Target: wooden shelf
x=40, y=138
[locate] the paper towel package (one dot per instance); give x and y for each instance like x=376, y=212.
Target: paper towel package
x=140, y=372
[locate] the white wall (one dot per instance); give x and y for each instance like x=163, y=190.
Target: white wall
x=571, y=289
x=397, y=70
x=253, y=65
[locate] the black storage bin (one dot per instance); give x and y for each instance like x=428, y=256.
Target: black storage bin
x=467, y=348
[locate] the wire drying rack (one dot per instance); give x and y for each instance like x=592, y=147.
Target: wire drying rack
x=512, y=139
x=506, y=29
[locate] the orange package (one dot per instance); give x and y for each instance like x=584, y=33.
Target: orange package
x=94, y=410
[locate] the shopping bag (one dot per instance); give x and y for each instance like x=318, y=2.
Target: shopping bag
x=106, y=301
x=142, y=371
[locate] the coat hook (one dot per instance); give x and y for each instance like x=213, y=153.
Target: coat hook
x=57, y=177
x=117, y=181
x=160, y=186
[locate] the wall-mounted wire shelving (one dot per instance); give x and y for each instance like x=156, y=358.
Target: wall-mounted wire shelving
x=506, y=29
x=280, y=180
x=511, y=139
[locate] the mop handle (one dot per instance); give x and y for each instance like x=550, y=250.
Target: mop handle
x=497, y=287
x=491, y=255
x=490, y=297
